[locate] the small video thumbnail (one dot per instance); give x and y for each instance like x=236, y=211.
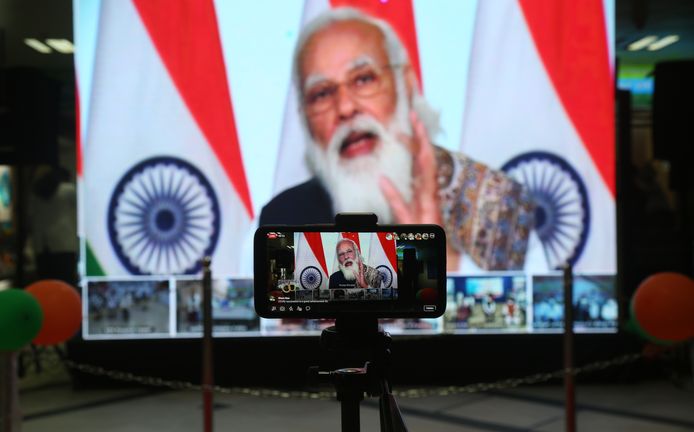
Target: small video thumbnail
x=594, y=303
x=411, y=325
x=232, y=306
x=486, y=302
x=294, y=326
x=128, y=307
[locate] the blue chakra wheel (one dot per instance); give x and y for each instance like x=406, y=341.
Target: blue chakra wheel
x=386, y=274
x=163, y=217
x=310, y=278
x=562, y=212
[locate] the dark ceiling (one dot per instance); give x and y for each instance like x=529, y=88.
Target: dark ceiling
x=41, y=19
x=639, y=18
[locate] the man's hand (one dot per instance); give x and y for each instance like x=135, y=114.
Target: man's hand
x=424, y=207
x=361, y=279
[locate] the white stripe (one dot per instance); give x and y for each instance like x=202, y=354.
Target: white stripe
x=306, y=258
x=291, y=168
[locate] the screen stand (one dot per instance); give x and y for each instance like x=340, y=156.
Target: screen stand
x=357, y=356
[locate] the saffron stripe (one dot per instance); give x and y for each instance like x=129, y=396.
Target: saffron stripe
x=389, y=249
x=196, y=66
x=571, y=39
x=316, y=244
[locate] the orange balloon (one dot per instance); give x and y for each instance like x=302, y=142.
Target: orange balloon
x=62, y=311
x=663, y=306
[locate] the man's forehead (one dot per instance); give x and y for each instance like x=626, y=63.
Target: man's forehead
x=344, y=245
x=340, y=44
x=357, y=63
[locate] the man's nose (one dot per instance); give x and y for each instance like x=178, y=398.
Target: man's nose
x=346, y=104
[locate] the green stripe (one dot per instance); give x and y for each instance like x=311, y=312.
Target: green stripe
x=93, y=266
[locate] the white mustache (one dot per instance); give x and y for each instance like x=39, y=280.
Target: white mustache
x=351, y=261
x=362, y=123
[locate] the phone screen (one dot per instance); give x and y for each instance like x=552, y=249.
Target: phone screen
x=396, y=271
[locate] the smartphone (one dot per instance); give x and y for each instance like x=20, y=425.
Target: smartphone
x=332, y=271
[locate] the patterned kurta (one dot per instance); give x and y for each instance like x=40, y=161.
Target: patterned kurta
x=486, y=214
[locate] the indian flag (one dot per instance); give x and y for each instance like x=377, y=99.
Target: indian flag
x=310, y=268
x=383, y=256
x=161, y=172
x=540, y=105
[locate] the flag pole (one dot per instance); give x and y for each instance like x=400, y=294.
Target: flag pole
x=569, y=384
x=9, y=393
x=207, y=359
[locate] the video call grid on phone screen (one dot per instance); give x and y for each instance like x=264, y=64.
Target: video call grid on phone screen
x=305, y=267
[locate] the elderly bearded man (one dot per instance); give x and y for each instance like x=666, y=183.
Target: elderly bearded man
x=370, y=150
x=353, y=273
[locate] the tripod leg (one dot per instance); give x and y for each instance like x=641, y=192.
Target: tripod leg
x=349, y=407
x=391, y=417
x=383, y=408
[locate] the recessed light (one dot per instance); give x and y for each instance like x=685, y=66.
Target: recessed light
x=63, y=46
x=642, y=43
x=662, y=43
x=38, y=46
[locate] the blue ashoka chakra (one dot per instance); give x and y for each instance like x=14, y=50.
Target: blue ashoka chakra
x=562, y=212
x=163, y=217
x=386, y=274
x=310, y=278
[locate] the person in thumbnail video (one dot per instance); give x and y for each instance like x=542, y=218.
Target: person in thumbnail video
x=353, y=272
x=371, y=132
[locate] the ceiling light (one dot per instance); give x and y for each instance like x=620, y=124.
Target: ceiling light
x=63, y=46
x=662, y=43
x=642, y=43
x=38, y=46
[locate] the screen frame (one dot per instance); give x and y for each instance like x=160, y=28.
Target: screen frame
x=361, y=308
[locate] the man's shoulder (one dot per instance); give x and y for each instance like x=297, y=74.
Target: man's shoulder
x=459, y=171
x=373, y=275
x=452, y=164
x=305, y=203
x=475, y=197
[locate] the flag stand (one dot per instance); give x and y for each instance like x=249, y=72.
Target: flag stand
x=207, y=359
x=569, y=379
x=9, y=393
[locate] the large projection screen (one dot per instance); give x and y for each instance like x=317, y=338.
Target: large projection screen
x=192, y=130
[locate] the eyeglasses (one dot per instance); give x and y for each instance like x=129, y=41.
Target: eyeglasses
x=362, y=82
x=345, y=253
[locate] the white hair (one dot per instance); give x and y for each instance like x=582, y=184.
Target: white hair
x=397, y=56
x=357, y=251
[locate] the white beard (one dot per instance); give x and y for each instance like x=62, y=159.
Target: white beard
x=350, y=273
x=353, y=184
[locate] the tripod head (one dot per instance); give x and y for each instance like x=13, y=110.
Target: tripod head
x=352, y=342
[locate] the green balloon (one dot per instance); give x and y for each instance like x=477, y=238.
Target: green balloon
x=20, y=319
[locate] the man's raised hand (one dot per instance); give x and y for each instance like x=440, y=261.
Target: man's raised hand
x=424, y=207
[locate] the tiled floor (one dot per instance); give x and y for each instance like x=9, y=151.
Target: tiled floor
x=654, y=405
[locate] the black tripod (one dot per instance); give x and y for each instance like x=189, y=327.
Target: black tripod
x=357, y=360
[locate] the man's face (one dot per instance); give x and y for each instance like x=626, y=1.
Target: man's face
x=345, y=254
x=344, y=72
